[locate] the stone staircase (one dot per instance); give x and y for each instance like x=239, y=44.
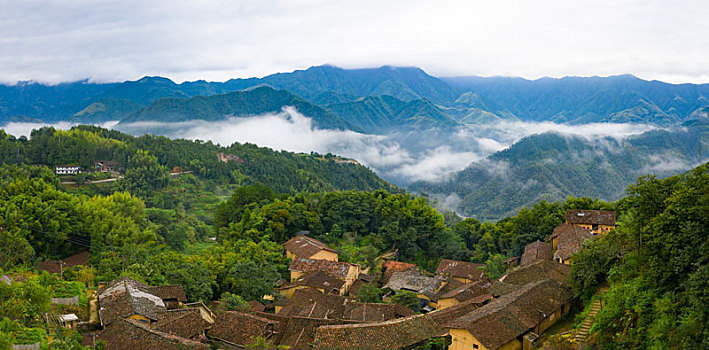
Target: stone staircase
x=583, y=331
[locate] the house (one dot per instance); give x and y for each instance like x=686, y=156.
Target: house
x=391, y=266
x=66, y=169
x=465, y=292
x=256, y=306
x=128, y=298
x=204, y=311
x=58, y=266
x=512, y=262
x=598, y=221
x=173, y=296
x=505, y=322
x=567, y=240
x=312, y=304
x=538, y=271
x=345, y=271
x=535, y=251
x=362, y=280
x=443, y=316
x=462, y=271
x=310, y=248
x=241, y=329
x=426, y=287
x=317, y=280
x=128, y=334
x=185, y=323
x=105, y=166
x=402, y=333
x=295, y=332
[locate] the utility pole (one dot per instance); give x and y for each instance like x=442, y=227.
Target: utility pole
x=61, y=269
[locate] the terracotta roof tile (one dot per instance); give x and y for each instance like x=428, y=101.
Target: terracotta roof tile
x=305, y=247
x=468, y=290
x=537, y=271
x=317, y=280
x=417, y=281
x=134, y=335
x=451, y=313
x=508, y=317
x=590, y=217
x=536, y=251
x=395, y=334
x=570, y=240
x=334, y=268
x=391, y=266
x=186, y=323
x=241, y=329
x=167, y=292
x=461, y=269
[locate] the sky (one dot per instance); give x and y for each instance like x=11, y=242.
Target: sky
x=58, y=41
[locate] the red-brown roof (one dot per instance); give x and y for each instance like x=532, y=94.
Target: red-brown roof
x=443, y=316
x=168, y=292
x=305, y=247
x=402, y=333
x=534, y=251
x=256, y=306
x=468, y=291
x=334, y=268
x=186, y=323
x=134, y=335
x=590, y=217
x=241, y=329
x=317, y=280
x=513, y=314
x=570, y=239
x=461, y=269
x=538, y=271
x=54, y=266
x=391, y=266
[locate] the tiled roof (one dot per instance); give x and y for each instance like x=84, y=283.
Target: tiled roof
x=536, y=251
x=298, y=332
x=500, y=288
x=468, y=291
x=186, y=323
x=375, y=312
x=537, y=271
x=443, y=316
x=461, y=269
x=570, y=240
x=510, y=316
x=417, y=281
x=124, y=297
x=53, y=266
x=317, y=280
x=168, y=292
x=402, y=333
x=391, y=266
x=241, y=329
x=334, y=268
x=134, y=335
x=305, y=247
x=256, y=306
x=308, y=302
x=590, y=217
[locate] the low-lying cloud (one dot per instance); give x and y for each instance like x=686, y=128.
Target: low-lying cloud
x=401, y=157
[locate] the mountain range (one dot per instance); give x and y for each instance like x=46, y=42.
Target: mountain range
x=370, y=100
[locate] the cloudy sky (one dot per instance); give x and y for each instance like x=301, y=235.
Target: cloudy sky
x=54, y=41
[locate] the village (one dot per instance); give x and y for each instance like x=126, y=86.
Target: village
x=317, y=308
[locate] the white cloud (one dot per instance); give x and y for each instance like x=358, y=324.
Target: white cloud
x=401, y=158
x=109, y=40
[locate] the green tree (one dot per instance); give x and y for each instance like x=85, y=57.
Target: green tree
x=252, y=281
x=406, y=298
x=369, y=294
x=144, y=174
x=495, y=266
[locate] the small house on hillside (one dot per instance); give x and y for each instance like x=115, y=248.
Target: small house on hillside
x=536, y=251
x=567, y=240
x=462, y=271
x=105, y=166
x=598, y=221
x=303, y=246
x=66, y=169
x=57, y=266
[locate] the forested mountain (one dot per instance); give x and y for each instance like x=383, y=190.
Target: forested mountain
x=435, y=101
x=579, y=100
x=254, y=101
x=284, y=172
x=552, y=166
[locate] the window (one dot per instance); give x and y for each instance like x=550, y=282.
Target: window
x=475, y=346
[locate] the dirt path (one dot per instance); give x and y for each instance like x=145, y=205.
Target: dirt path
x=93, y=307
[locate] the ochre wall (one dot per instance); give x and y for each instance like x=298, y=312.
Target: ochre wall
x=463, y=340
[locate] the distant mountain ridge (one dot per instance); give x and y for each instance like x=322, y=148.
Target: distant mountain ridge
x=432, y=102
x=551, y=166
